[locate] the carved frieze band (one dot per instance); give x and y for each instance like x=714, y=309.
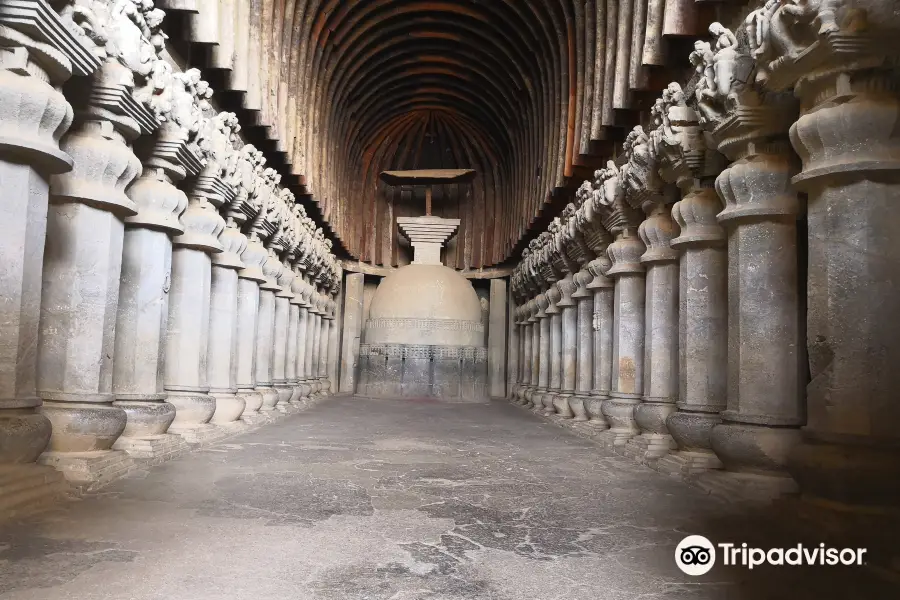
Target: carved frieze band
x=477, y=354
x=425, y=324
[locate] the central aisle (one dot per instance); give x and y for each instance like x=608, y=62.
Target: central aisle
x=389, y=499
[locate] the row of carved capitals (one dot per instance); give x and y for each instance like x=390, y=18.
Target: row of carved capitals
x=197, y=180
x=740, y=103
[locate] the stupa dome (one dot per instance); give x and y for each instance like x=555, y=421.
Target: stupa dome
x=425, y=304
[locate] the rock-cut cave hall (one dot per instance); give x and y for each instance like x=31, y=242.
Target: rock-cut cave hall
x=449, y=300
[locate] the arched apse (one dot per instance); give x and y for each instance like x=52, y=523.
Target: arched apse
x=532, y=94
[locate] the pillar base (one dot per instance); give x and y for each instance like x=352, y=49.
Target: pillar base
x=24, y=434
x=547, y=401
x=146, y=417
x=578, y=406
x=27, y=488
x=89, y=470
x=153, y=450
x=269, y=396
x=294, y=400
x=692, y=430
x=253, y=401
x=619, y=413
x=750, y=448
x=649, y=447
x=229, y=408
x=742, y=487
x=285, y=390
x=593, y=408
x=561, y=405
x=83, y=426
x=688, y=463
x=192, y=409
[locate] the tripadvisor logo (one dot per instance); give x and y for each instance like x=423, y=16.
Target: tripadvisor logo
x=696, y=555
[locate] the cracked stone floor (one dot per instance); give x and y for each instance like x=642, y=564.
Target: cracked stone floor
x=397, y=499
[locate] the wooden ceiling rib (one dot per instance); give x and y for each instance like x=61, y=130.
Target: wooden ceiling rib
x=489, y=79
x=532, y=94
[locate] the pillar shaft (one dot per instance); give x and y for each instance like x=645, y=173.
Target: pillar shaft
x=82, y=267
x=660, y=388
x=352, y=326
x=264, y=346
x=248, y=312
x=628, y=337
x=187, y=339
x=848, y=140
x=764, y=403
x=35, y=116
x=497, y=363
x=702, y=330
x=221, y=367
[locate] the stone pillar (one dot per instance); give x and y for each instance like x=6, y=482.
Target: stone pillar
x=324, y=337
x=764, y=400
x=143, y=311
x=265, y=336
x=568, y=350
x=290, y=367
x=35, y=116
x=280, y=339
x=315, y=347
x=302, y=330
x=309, y=345
x=496, y=346
x=334, y=342
x=554, y=347
x=527, y=338
x=603, y=289
x=540, y=357
x=249, y=280
x=660, y=336
x=187, y=338
x=513, y=348
x=580, y=402
x=223, y=320
x=628, y=338
x=848, y=140
x=82, y=267
x=703, y=348
x=352, y=325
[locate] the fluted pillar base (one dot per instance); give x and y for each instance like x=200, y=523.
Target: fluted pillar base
x=269, y=396
x=654, y=442
x=561, y=405
x=229, y=407
x=24, y=434
x=193, y=410
x=145, y=435
x=755, y=457
x=593, y=408
x=83, y=426
x=619, y=413
x=578, y=406
x=691, y=431
x=284, y=391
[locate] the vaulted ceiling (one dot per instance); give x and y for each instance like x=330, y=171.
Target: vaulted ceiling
x=525, y=92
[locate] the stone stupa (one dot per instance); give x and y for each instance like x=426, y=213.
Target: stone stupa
x=425, y=336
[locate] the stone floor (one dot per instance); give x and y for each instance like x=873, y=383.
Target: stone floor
x=388, y=499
